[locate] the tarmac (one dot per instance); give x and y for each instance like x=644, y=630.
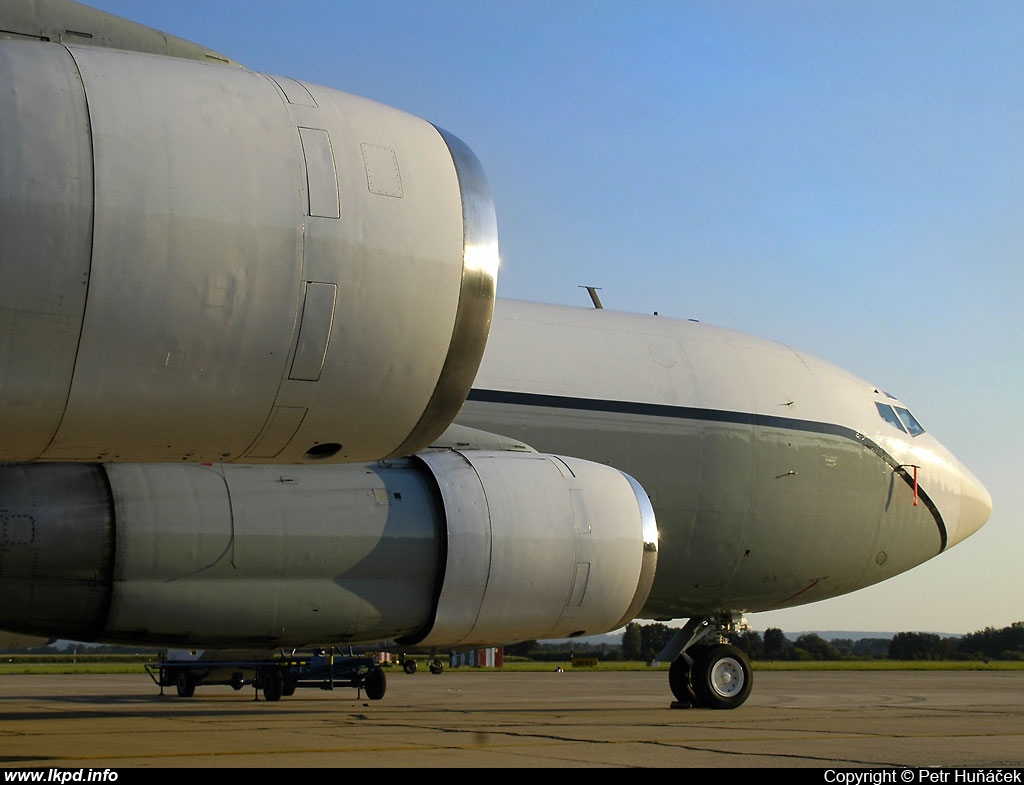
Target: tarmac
x=467, y=718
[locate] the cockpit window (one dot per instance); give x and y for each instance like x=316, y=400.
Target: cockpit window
x=887, y=413
x=900, y=418
x=912, y=425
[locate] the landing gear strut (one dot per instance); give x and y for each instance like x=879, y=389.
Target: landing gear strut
x=707, y=671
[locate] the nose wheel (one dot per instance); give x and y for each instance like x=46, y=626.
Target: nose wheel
x=719, y=678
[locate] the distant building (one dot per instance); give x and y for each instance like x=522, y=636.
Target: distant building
x=493, y=657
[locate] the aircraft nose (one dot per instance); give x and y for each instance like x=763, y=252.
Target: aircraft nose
x=975, y=506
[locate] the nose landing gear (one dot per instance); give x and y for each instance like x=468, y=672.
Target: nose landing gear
x=706, y=671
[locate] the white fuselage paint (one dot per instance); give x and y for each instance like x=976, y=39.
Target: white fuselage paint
x=774, y=479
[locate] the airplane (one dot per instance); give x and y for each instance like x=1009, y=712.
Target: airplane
x=257, y=390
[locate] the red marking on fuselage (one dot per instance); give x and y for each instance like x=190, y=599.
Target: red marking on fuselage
x=806, y=588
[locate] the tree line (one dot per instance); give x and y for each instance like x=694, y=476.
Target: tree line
x=988, y=644
x=644, y=642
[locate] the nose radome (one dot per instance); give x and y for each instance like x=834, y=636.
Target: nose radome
x=975, y=507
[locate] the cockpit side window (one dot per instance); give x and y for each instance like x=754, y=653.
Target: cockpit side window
x=909, y=422
x=901, y=418
x=887, y=414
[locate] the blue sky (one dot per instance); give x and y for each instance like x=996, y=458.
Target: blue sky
x=844, y=177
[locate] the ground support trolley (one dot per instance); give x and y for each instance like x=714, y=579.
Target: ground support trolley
x=276, y=677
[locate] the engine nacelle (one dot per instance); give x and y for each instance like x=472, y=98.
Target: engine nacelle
x=445, y=549
x=538, y=546
x=203, y=263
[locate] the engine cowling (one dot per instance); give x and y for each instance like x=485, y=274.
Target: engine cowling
x=447, y=549
x=537, y=546
x=203, y=263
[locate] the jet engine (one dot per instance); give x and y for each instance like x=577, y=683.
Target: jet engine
x=444, y=549
x=203, y=263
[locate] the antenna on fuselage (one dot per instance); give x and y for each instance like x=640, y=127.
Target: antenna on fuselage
x=593, y=295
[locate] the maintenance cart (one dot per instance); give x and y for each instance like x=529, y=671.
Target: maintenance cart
x=276, y=676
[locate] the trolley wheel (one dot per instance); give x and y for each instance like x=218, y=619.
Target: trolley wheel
x=375, y=684
x=290, y=684
x=273, y=684
x=185, y=684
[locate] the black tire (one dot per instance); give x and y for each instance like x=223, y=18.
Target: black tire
x=273, y=684
x=185, y=684
x=679, y=681
x=409, y=666
x=436, y=667
x=291, y=683
x=375, y=684
x=721, y=677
